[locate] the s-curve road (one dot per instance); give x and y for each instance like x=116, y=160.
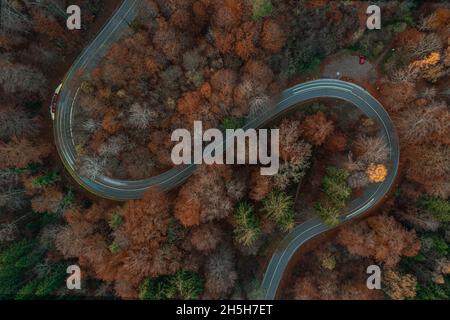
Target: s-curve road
x=122, y=190
x=314, y=227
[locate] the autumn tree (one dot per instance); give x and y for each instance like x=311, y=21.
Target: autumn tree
x=396, y=96
x=371, y=149
x=228, y=14
x=146, y=220
x=206, y=237
x=261, y=185
x=204, y=197
x=380, y=237
x=295, y=153
x=133, y=250
x=49, y=201
x=18, y=153
x=222, y=84
x=170, y=41
x=48, y=25
x=321, y=273
x=428, y=165
x=187, y=209
x=273, y=36
x=317, y=128
x=426, y=123
x=245, y=45
x=397, y=286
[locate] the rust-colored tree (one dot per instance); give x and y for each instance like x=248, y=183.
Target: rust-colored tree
x=317, y=128
x=273, y=37
x=18, y=153
x=206, y=237
x=380, y=237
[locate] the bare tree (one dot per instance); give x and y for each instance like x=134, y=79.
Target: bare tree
x=291, y=172
x=373, y=149
x=8, y=177
x=12, y=198
x=48, y=235
x=429, y=43
x=8, y=232
x=90, y=125
x=419, y=124
x=14, y=18
x=258, y=105
x=92, y=167
x=425, y=22
x=16, y=78
x=429, y=93
x=141, y=117
x=220, y=273
x=14, y=122
x=113, y=147
x=236, y=188
x=408, y=74
x=358, y=180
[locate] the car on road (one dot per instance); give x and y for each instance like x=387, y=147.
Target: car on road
x=362, y=59
x=55, y=101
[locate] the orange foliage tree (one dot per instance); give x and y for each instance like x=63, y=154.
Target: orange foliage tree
x=18, y=153
x=135, y=249
x=380, y=237
x=317, y=128
x=273, y=37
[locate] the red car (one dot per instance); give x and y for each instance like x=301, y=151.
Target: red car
x=362, y=59
x=55, y=102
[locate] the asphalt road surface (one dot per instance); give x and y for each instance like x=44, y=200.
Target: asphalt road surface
x=122, y=190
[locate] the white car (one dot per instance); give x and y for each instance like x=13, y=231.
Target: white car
x=55, y=101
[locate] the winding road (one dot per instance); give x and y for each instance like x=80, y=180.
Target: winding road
x=122, y=190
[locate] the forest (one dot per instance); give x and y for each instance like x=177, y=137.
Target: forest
x=220, y=62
